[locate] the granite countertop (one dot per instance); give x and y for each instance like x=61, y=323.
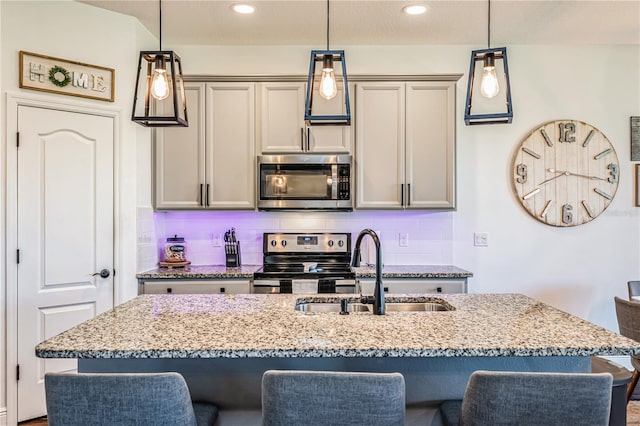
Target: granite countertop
x=246, y=271
x=266, y=326
x=413, y=271
x=200, y=272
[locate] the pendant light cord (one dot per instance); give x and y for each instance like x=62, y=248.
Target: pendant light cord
x=489, y=25
x=160, y=8
x=327, y=24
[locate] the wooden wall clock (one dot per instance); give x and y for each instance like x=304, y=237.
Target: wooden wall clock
x=566, y=173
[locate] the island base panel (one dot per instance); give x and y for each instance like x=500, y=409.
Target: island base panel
x=234, y=383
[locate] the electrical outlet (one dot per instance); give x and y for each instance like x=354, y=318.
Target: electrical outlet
x=481, y=239
x=217, y=240
x=403, y=239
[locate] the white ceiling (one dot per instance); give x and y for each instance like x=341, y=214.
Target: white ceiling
x=353, y=22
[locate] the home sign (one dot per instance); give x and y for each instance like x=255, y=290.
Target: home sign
x=55, y=75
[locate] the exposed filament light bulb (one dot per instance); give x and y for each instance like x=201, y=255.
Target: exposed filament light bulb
x=160, y=88
x=489, y=86
x=328, y=88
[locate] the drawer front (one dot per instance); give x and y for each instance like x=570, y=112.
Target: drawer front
x=195, y=287
x=424, y=285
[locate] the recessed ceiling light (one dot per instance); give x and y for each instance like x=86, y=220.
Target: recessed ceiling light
x=243, y=8
x=416, y=9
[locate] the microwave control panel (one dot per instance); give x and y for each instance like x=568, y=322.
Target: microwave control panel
x=344, y=182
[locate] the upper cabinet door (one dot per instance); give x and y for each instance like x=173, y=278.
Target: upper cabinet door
x=282, y=126
x=230, y=148
x=380, y=123
x=282, y=117
x=430, y=145
x=179, y=157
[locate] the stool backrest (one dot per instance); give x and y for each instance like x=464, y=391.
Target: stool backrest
x=634, y=290
x=628, y=314
x=118, y=399
x=313, y=398
x=532, y=399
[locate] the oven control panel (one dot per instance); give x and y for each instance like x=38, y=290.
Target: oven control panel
x=307, y=243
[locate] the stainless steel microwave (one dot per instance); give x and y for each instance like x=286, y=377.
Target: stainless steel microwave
x=305, y=182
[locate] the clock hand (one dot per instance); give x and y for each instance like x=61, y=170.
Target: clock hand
x=550, y=179
x=566, y=173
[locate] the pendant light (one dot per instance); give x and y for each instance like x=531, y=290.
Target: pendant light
x=159, y=83
x=331, y=76
x=488, y=80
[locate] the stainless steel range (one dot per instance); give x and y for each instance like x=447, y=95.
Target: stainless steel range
x=305, y=263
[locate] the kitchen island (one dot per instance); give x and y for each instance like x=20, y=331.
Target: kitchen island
x=223, y=343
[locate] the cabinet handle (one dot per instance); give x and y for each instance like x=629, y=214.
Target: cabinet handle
x=386, y=289
x=308, y=139
x=207, y=196
x=222, y=290
x=169, y=290
x=439, y=289
x=201, y=197
x=302, y=138
x=408, y=194
x=402, y=194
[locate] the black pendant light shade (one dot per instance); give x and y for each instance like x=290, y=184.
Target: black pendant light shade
x=488, y=91
x=160, y=86
x=159, y=98
x=327, y=80
x=327, y=101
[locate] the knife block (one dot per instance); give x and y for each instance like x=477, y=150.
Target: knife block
x=232, y=254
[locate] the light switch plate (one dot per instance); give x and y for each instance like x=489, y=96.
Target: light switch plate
x=403, y=239
x=481, y=239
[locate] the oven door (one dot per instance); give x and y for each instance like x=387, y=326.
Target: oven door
x=270, y=286
x=302, y=286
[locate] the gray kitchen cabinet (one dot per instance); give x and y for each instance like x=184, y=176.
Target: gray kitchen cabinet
x=211, y=163
x=405, y=138
x=414, y=285
x=176, y=286
x=281, y=122
x=179, y=157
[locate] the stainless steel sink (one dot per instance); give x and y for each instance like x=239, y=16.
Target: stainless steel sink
x=415, y=307
x=330, y=307
x=428, y=306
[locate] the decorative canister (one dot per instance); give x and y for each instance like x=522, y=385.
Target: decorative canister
x=175, y=249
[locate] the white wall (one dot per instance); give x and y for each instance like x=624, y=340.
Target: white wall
x=576, y=269
x=83, y=33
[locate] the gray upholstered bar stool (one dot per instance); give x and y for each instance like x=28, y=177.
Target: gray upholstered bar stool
x=314, y=398
x=628, y=314
x=494, y=398
x=158, y=399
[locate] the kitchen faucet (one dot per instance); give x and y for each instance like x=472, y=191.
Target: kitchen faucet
x=378, y=292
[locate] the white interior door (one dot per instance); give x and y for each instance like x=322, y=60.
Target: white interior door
x=65, y=235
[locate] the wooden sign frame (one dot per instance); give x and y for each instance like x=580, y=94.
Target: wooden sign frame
x=635, y=138
x=56, y=75
x=637, y=185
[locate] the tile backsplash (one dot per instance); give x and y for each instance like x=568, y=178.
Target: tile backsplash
x=406, y=237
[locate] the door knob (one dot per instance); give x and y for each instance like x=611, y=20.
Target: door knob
x=103, y=273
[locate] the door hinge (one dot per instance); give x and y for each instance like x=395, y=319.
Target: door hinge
x=17, y=372
x=18, y=256
x=18, y=139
